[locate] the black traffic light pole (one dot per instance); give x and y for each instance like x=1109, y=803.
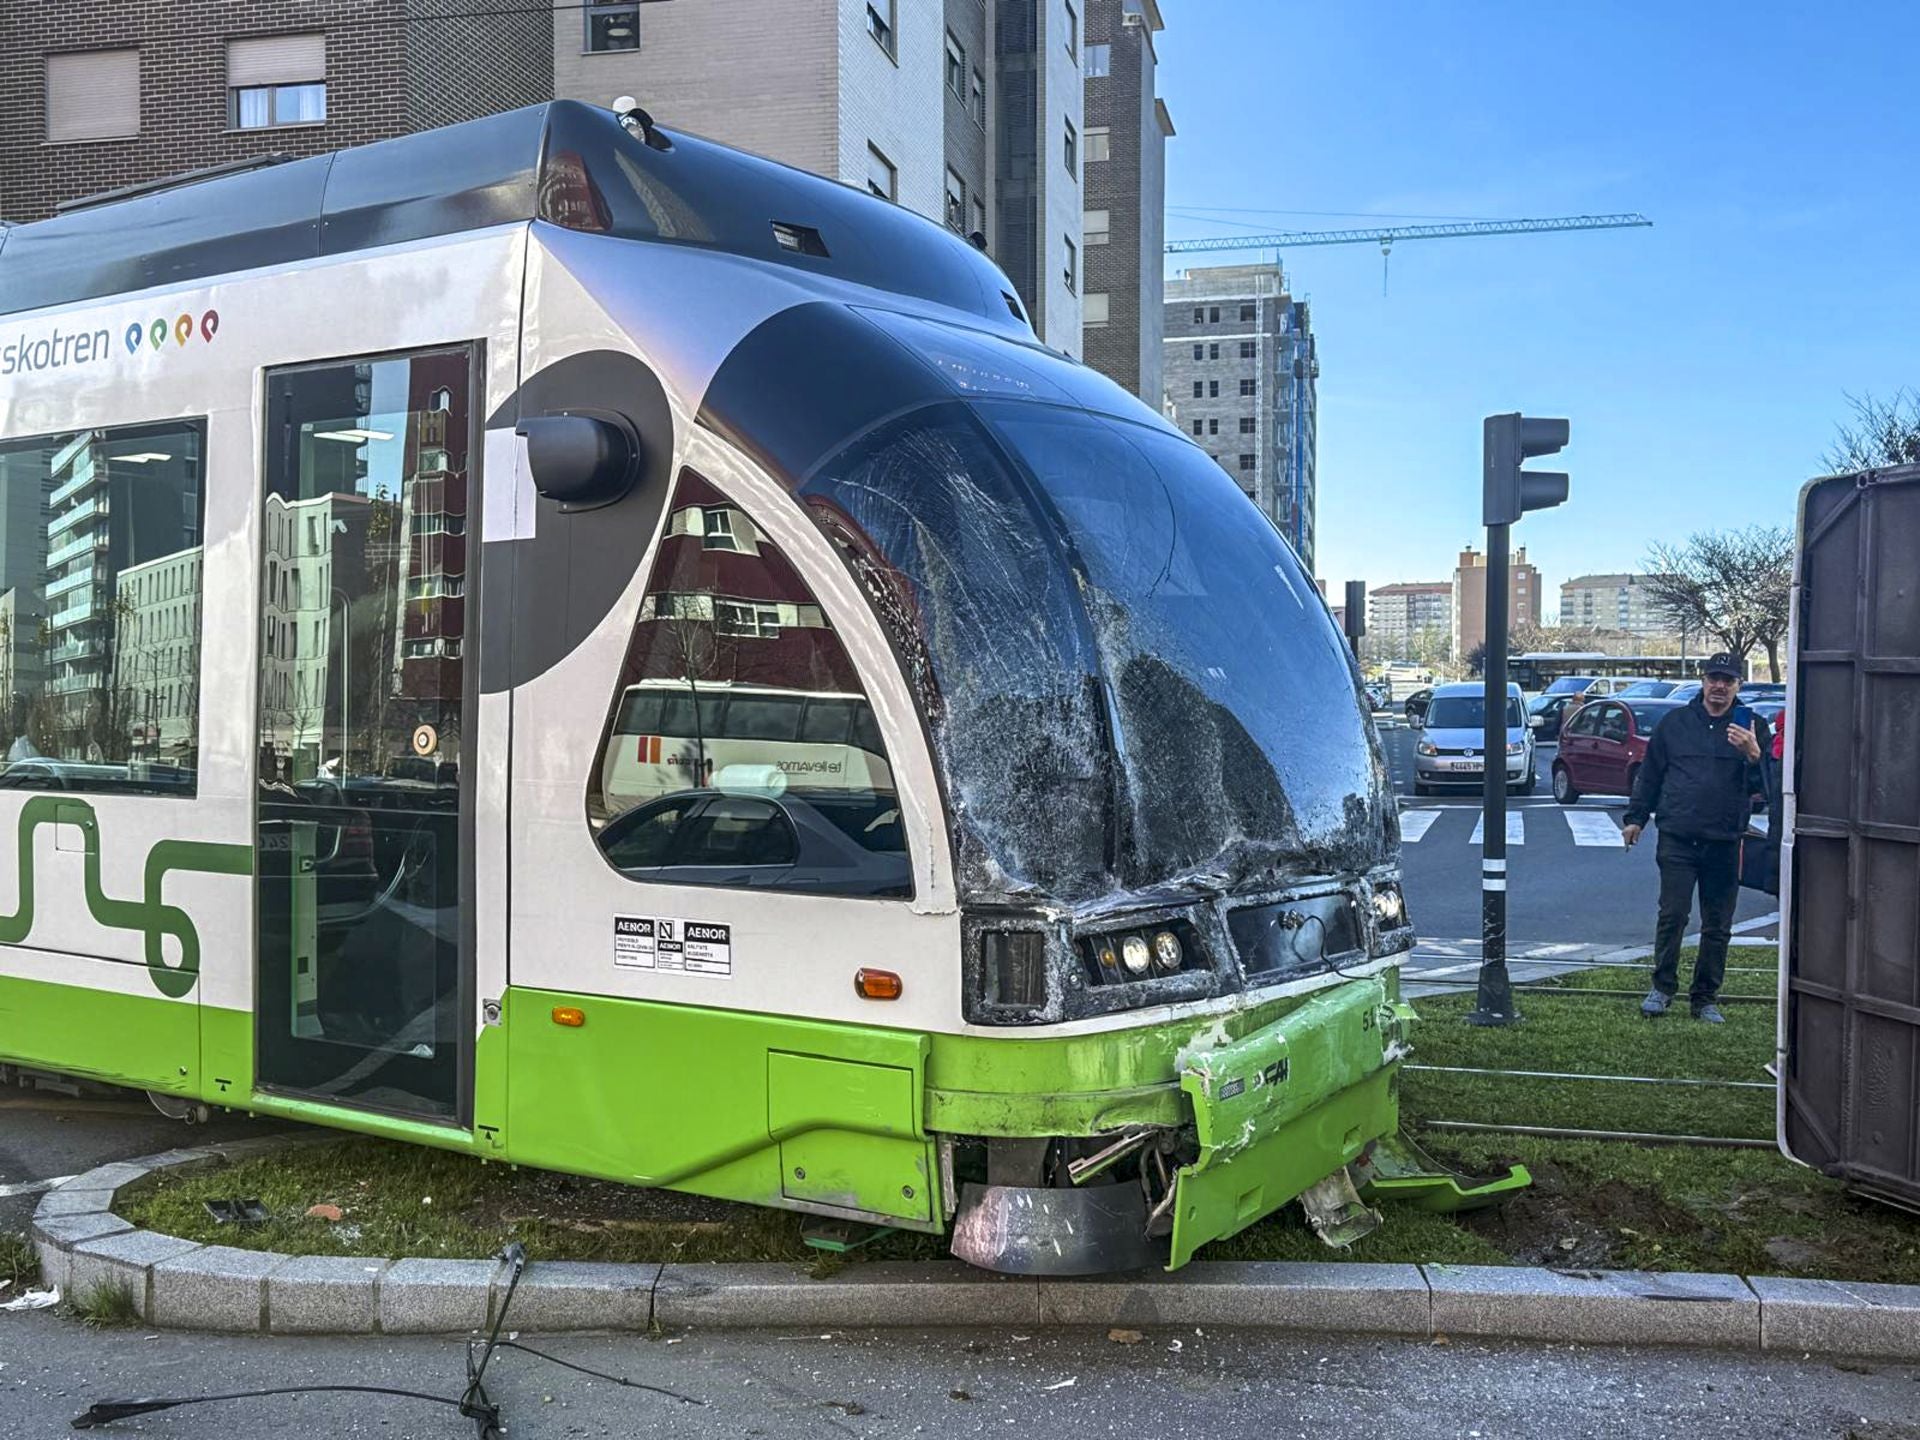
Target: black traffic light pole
x=1507, y=493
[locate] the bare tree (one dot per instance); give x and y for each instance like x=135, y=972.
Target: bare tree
x=1883, y=433
x=1733, y=585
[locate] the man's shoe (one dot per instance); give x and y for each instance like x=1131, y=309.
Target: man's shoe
x=1709, y=1013
x=1655, y=1005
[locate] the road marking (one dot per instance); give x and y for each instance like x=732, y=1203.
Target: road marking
x=1516, y=830
x=1415, y=823
x=1591, y=827
x=32, y=1187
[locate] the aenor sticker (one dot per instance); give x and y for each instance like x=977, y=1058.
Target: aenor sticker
x=669, y=943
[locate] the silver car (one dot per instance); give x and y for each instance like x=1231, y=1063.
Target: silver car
x=1449, y=750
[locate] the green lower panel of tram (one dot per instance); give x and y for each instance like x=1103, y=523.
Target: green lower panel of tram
x=827, y=1118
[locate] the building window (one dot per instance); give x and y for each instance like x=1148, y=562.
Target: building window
x=1213, y=351
x=1213, y=427
x=1213, y=314
x=1072, y=150
x=277, y=80
x=1199, y=318
x=1246, y=462
x=1097, y=61
x=1246, y=312
x=956, y=199
x=1246, y=424
x=956, y=67
x=1199, y=389
x=882, y=178
x=94, y=96
x=977, y=100
x=1093, y=313
x=1246, y=349
x=1199, y=427
x=1094, y=142
x=1246, y=387
x=880, y=18
x=734, y=673
x=1213, y=389
x=1199, y=352
x=1073, y=266
x=1073, y=32
x=1093, y=227
x=612, y=25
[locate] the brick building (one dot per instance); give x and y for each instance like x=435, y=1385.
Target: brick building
x=1399, y=614
x=95, y=96
x=1621, y=602
x=1470, y=598
x=1124, y=152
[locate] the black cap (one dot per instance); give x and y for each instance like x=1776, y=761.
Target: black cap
x=1720, y=664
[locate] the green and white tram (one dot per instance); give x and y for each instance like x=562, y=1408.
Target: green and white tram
x=1034, y=875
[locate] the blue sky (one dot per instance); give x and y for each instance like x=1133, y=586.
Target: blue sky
x=1703, y=362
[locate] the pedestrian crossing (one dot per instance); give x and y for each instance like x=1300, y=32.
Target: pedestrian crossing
x=1589, y=828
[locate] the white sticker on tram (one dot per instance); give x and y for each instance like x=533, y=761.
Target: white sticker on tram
x=666, y=942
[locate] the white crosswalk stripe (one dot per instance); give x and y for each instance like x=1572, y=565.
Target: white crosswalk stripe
x=1593, y=827
x=1415, y=823
x=1516, y=831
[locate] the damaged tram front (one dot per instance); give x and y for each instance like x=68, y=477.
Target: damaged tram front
x=1174, y=845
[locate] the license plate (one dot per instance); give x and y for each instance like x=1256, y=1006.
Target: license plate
x=1473, y=765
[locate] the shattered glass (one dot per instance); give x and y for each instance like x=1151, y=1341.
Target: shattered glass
x=1131, y=683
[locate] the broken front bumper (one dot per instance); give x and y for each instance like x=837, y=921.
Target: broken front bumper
x=1284, y=1107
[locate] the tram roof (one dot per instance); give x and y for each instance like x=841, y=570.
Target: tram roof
x=569, y=163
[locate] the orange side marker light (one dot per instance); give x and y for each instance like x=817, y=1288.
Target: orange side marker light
x=876, y=984
x=569, y=1015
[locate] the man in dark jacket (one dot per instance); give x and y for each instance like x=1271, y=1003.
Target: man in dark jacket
x=1701, y=772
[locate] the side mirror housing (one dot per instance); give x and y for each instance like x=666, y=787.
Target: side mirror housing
x=583, y=459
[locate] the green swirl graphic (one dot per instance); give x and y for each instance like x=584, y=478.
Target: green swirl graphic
x=151, y=916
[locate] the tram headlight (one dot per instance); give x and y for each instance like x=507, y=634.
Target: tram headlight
x=1135, y=955
x=1108, y=954
x=1167, y=953
x=1389, y=907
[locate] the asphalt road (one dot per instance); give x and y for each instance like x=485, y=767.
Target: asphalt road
x=1219, y=1385
x=1569, y=877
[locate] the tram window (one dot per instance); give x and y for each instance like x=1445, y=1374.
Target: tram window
x=100, y=581
x=742, y=750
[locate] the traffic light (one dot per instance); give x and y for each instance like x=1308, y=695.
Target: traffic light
x=1356, y=613
x=1509, y=491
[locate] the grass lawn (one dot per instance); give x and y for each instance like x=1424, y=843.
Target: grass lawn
x=1593, y=1203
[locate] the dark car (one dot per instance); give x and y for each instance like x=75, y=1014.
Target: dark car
x=1551, y=712
x=1602, y=744
x=1417, y=704
x=840, y=842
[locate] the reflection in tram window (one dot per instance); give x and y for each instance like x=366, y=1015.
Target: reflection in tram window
x=741, y=750
x=100, y=540
x=362, y=680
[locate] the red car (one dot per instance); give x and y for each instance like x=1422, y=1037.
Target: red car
x=1602, y=745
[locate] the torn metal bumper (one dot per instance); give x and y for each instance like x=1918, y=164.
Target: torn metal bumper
x=1281, y=1109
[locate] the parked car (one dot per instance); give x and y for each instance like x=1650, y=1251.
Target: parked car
x=1453, y=735
x=1550, y=711
x=1648, y=690
x=1684, y=691
x=1417, y=702
x=1379, y=695
x=1764, y=690
x=1602, y=745
x=1572, y=685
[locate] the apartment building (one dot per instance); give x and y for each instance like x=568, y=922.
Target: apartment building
x=1470, y=598
x=1397, y=614
x=1123, y=150
x=97, y=96
x=1240, y=376
x=1613, y=602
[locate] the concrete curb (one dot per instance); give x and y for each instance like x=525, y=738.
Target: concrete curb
x=179, y=1283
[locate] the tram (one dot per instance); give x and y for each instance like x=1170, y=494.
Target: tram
x=556, y=639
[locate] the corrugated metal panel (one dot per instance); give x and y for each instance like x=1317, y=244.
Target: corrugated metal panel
x=1851, y=1083
x=277, y=60
x=94, y=96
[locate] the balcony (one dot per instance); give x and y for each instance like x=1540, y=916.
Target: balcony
x=79, y=515
x=73, y=684
x=83, y=578
x=75, y=650
x=73, y=615
x=78, y=546
x=84, y=477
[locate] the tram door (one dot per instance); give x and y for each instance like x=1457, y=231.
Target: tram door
x=363, y=803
